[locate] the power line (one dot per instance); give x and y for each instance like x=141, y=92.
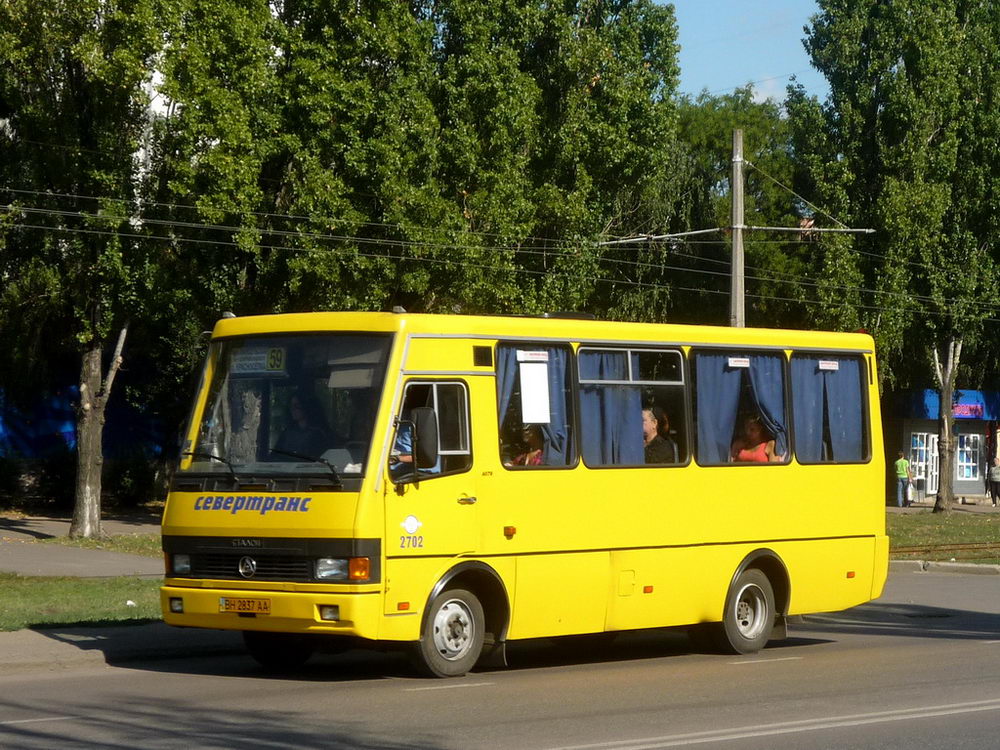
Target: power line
x=525, y=271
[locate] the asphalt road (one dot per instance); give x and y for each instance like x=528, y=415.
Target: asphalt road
x=919, y=668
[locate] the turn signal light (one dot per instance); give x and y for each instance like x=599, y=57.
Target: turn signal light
x=359, y=569
x=850, y=574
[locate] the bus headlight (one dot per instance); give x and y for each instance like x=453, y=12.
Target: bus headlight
x=331, y=569
x=182, y=565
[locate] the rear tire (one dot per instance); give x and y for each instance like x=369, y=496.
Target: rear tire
x=453, y=635
x=749, y=615
x=278, y=651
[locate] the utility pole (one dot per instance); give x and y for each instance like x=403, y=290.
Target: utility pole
x=737, y=306
x=737, y=310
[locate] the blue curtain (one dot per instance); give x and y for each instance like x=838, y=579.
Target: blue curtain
x=807, y=409
x=610, y=415
x=558, y=449
x=767, y=382
x=843, y=406
x=718, y=389
x=840, y=391
x=557, y=432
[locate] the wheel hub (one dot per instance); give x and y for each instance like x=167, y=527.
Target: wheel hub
x=453, y=630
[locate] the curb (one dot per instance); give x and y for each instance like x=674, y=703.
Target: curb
x=931, y=566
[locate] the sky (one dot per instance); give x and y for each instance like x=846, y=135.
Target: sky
x=728, y=43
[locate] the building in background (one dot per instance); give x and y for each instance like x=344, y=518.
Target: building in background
x=911, y=425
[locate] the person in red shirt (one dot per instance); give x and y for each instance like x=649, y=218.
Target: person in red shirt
x=756, y=444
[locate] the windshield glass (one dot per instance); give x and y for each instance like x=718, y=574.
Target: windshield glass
x=290, y=404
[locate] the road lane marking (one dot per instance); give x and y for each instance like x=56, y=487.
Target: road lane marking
x=789, y=727
x=32, y=721
x=767, y=661
x=449, y=687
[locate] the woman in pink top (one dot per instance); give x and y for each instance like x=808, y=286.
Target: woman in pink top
x=756, y=445
x=532, y=437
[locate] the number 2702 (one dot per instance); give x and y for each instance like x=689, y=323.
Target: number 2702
x=410, y=541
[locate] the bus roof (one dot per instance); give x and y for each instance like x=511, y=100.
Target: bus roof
x=537, y=328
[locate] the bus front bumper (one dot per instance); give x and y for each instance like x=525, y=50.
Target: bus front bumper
x=349, y=614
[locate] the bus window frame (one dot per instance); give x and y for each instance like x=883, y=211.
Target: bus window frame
x=787, y=399
x=422, y=476
x=684, y=384
x=864, y=381
x=572, y=412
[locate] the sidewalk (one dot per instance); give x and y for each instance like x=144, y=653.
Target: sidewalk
x=52, y=649
x=19, y=552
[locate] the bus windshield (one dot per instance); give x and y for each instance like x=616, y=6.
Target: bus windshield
x=288, y=405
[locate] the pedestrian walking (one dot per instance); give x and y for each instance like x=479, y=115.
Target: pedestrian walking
x=903, y=479
x=995, y=481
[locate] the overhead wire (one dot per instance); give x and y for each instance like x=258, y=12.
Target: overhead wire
x=465, y=263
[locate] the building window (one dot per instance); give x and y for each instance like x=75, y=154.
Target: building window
x=969, y=449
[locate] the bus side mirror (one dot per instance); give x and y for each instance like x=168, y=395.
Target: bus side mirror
x=425, y=432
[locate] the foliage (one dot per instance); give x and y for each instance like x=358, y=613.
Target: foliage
x=902, y=146
x=774, y=263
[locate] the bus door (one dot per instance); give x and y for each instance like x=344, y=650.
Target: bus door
x=430, y=510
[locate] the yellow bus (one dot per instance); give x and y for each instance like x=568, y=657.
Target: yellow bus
x=452, y=483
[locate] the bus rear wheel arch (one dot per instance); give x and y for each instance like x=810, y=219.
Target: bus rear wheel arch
x=756, y=605
x=749, y=615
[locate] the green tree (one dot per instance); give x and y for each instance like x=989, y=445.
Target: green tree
x=905, y=149
x=371, y=154
x=776, y=264
x=73, y=90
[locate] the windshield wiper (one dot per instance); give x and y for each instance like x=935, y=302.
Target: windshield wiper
x=213, y=457
x=313, y=459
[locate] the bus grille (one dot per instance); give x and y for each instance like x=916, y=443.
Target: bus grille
x=269, y=568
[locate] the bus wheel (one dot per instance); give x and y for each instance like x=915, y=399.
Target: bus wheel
x=278, y=651
x=749, y=615
x=453, y=635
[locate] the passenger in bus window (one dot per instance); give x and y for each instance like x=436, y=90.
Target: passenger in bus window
x=306, y=434
x=755, y=445
x=659, y=447
x=534, y=447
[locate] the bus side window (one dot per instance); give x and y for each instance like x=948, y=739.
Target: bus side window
x=533, y=403
x=631, y=407
x=450, y=401
x=740, y=407
x=828, y=409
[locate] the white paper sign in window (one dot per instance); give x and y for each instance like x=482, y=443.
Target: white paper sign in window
x=534, y=392
x=741, y=362
x=527, y=355
x=829, y=364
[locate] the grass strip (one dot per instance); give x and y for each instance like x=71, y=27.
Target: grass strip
x=38, y=602
x=926, y=528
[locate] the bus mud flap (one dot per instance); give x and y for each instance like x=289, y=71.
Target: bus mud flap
x=494, y=654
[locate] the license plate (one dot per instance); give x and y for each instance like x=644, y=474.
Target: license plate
x=241, y=605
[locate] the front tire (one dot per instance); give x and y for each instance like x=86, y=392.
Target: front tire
x=452, y=639
x=749, y=616
x=278, y=651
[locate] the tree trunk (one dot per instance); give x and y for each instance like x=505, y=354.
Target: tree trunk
x=89, y=437
x=946, y=377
